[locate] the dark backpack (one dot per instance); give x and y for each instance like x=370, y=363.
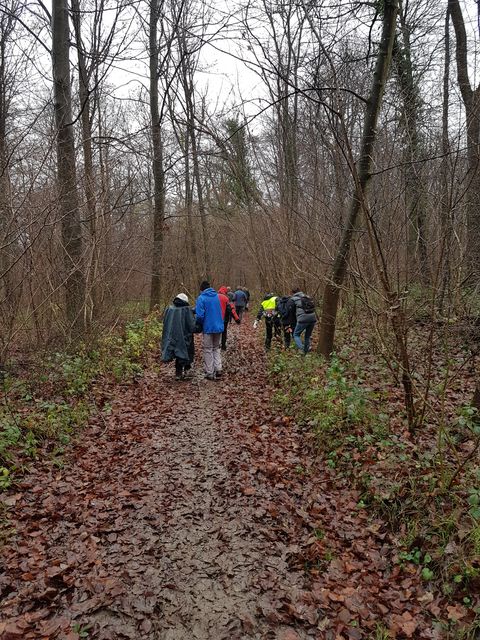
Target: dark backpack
x=307, y=304
x=282, y=308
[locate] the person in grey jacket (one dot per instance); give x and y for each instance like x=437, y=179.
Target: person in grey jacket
x=302, y=308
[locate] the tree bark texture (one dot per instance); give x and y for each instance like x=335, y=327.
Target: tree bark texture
x=158, y=169
x=339, y=269
x=447, y=213
x=66, y=170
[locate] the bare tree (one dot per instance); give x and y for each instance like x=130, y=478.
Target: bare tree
x=157, y=146
x=337, y=277
x=471, y=101
x=408, y=82
x=9, y=293
x=66, y=169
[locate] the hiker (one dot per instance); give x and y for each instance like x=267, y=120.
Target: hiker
x=247, y=295
x=177, y=336
x=210, y=321
x=240, y=302
x=228, y=313
x=306, y=318
x=287, y=317
x=231, y=295
x=268, y=310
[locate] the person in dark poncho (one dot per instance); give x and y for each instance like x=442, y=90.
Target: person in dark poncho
x=177, y=336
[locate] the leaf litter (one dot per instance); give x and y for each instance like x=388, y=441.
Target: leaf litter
x=183, y=514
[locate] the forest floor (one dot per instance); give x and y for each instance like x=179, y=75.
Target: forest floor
x=197, y=510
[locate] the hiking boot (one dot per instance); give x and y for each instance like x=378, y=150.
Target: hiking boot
x=218, y=374
x=210, y=376
x=179, y=376
x=188, y=375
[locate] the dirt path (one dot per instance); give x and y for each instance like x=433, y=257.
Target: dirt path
x=192, y=512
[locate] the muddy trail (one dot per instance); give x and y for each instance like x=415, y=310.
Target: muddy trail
x=194, y=510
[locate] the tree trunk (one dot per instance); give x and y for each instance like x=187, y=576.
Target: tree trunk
x=333, y=287
x=6, y=285
x=415, y=193
x=446, y=207
x=188, y=87
x=158, y=170
x=190, y=227
x=90, y=196
x=471, y=101
x=66, y=169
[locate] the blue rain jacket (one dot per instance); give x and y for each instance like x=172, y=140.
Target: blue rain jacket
x=209, y=311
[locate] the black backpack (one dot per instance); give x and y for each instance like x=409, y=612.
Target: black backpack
x=307, y=304
x=282, y=308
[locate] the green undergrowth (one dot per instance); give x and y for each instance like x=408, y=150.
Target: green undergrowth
x=429, y=498
x=43, y=409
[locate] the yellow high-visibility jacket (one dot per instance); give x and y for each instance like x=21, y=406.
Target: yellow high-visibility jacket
x=268, y=308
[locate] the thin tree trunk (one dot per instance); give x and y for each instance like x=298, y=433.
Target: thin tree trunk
x=446, y=208
x=333, y=287
x=9, y=293
x=90, y=197
x=105, y=231
x=66, y=169
x=471, y=101
x=190, y=228
x=158, y=170
x=196, y=171
x=417, y=242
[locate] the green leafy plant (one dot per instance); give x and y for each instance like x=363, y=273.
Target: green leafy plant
x=83, y=631
x=5, y=479
x=473, y=501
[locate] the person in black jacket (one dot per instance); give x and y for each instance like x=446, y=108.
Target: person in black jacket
x=287, y=316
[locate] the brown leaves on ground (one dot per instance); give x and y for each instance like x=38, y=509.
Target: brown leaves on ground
x=194, y=511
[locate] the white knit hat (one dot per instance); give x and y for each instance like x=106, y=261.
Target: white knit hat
x=182, y=296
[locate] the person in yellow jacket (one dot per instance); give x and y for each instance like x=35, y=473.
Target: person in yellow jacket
x=268, y=310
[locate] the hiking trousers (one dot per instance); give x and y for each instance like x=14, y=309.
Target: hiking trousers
x=240, y=311
x=271, y=325
x=225, y=334
x=301, y=327
x=212, y=358
x=287, y=335
x=182, y=366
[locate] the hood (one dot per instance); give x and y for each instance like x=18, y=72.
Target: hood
x=209, y=293
x=178, y=302
x=267, y=296
x=223, y=290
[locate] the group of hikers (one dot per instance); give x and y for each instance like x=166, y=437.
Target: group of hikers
x=291, y=316
x=211, y=316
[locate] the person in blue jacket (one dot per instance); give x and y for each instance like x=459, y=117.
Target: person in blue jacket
x=240, y=302
x=209, y=317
